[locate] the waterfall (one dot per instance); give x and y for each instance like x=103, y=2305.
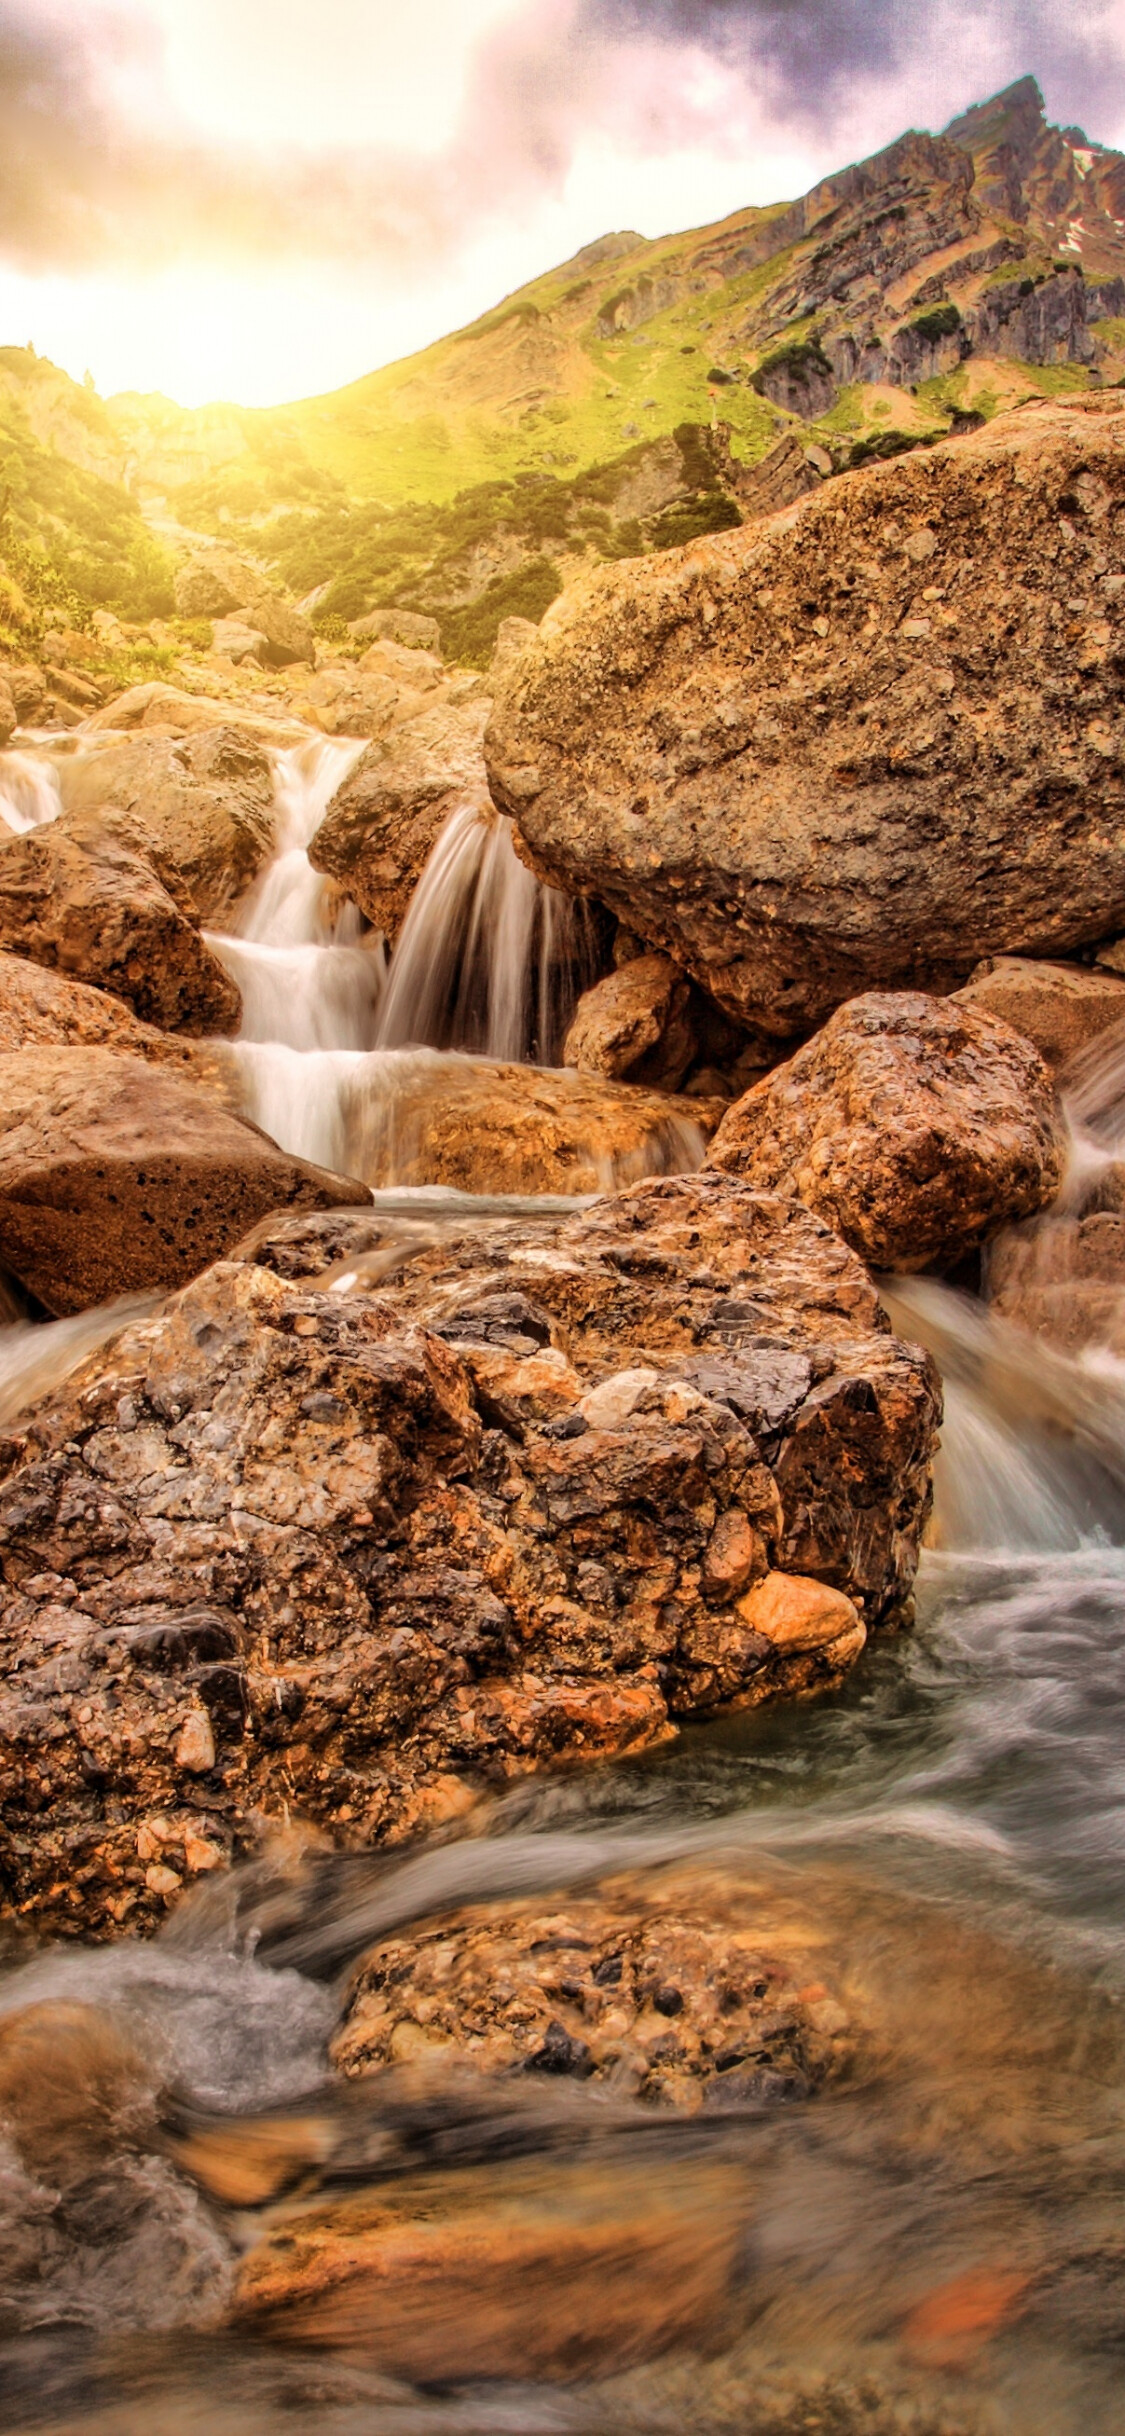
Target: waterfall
x=29, y=791
x=345, y=1065
x=488, y=958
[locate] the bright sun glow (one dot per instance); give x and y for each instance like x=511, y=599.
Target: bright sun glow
x=416, y=162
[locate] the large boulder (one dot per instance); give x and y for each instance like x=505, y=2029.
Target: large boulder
x=217, y=581
x=481, y=1127
x=915, y=1126
x=200, y=810
x=378, y=830
x=93, y=909
x=1060, y=1007
x=862, y=745
x=116, y=1177
x=342, y=1542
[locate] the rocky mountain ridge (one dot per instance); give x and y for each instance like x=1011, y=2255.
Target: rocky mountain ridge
x=641, y=393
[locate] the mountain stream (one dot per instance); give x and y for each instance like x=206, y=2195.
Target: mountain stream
x=936, y=2242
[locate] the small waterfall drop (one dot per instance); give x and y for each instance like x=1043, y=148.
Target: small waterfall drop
x=29, y=791
x=347, y=1066
x=308, y=979
x=489, y=959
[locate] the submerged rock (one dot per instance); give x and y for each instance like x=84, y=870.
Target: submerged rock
x=481, y=1127
x=96, y=911
x=117, y=1177
x=916, y=1126
x=864, y=744
x=503, y=2271
x=308, y=1547
x=200, y=811
x=666, y=1987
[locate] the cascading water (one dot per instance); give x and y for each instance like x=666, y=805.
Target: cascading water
x=933, y=2248
x=340, y=1060
x=29, y=791
x=489, y=960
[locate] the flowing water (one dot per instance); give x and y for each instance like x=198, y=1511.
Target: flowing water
x=933, y=2243
x=29, y=790
x=343, y=1058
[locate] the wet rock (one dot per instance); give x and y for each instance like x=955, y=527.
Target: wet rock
x=216, y=582
x=1064, y=1278
x=659, y=1988
x=1060, y=1007
x=117, y=1177
x=916, y=1126
x=635, y=1025
x=309, y=1504
x=96, y=911
x=200, y=811
x=9, y=717
x=378, y=830
x=73, y=2088
x=863, y=745
x=504, y=2271
x=481, y=1127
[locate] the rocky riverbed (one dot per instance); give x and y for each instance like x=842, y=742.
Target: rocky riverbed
x=499, y=1884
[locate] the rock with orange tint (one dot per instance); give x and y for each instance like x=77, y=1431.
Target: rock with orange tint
x=506, y=2272
x=116, y=1177
x=374, y=1519
x=954, y=2323
x=668, y=1987
x=91, y=908
x=915, y=1126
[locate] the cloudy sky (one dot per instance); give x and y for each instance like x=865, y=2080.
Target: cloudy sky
x=258, y=199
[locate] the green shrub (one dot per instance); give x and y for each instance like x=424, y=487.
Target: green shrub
x=940, y=322
x=469, y=635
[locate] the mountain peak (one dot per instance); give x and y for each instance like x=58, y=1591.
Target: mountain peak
x=1016, y=116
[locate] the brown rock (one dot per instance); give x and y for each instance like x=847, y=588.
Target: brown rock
x=73, y=2090
x=668, y=1988
x=9, y=717
x=116, y=1177
x=96, y=911
x=635, y=1025
x=42, y=1009
x=501, y=2272
x=915, y=1126
x=201, y=812
x=378, y=830
x=310, y=1507
x=480, y=1127
x=1060, y=1007
x=864, y=744
x=217, y=581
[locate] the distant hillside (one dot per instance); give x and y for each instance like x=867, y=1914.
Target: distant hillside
x=620, y=402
